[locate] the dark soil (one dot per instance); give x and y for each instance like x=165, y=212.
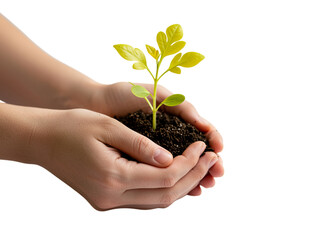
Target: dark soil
x=172, y=132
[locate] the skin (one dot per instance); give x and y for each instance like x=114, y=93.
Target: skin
x=61, y=120
x=124, y=103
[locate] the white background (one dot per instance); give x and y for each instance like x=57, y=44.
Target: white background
x=259, y=85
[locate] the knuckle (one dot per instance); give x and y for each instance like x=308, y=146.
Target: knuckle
x=108, y=122
x=102, y=205
x=113, y=184
x=110, y=187
x=109, y=125
x=142, y=143
x=72, y=114
x=167, y=199
x=168, y=181
x=78, y=112
x=210, y=155
x=200, y=149
x=192, y=159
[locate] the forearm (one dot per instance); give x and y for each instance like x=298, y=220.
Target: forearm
x=30, y=77
x=16, y=129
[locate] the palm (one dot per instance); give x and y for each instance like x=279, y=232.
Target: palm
x=118, y=100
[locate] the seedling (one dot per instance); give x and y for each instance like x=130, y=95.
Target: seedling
x=169, y=43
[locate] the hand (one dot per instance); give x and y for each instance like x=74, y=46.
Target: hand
x=117, y=99
x=78, y=147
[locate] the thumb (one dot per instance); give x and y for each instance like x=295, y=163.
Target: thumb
x=137, y=146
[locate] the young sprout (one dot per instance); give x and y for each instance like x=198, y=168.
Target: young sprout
x=169, y=43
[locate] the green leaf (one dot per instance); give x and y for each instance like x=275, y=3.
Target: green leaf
x=175, y=61
x=162, y=41
x=190, y=59
x=139, y=91
x=140, y=56
x=176, y=47
x=176, y=70
x=139, y=66
x=153, y=52
x=174, y=33
x=126, y=51
x=173, y=100
x=129, y=53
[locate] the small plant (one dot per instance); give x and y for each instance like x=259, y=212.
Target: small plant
x=169, y=43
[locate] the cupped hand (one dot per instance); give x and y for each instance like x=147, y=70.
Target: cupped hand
x=81, y=148
x=117, y=100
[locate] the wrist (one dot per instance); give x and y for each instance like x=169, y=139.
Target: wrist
x=80, y=94
x=98, y=99
x=17, y=127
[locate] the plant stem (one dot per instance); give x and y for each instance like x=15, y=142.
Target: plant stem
x=154, y=110
x=149, y=103
x=163, y=74
x=150, y=72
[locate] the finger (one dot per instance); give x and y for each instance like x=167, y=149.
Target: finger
x=140, y=175
x=187, y=112
x=196, y=191
x=208, y=181
x=217, y=170
x=215, y=139
x=136, y=145
x=164, y=197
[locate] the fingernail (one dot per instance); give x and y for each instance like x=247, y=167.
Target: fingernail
x=162, y=156
x=212, y=162
x=219, y=158
x=203, y=147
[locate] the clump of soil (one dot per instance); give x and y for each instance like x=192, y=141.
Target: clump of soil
x=172, y=132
